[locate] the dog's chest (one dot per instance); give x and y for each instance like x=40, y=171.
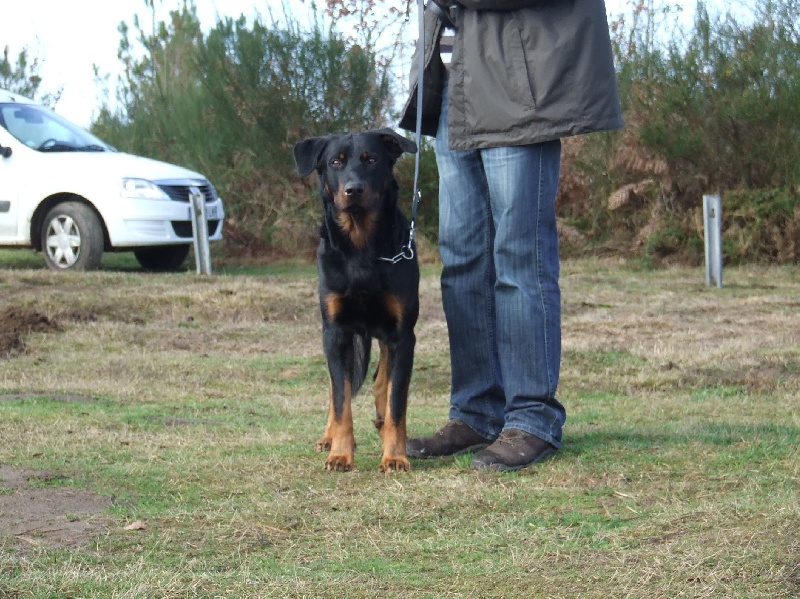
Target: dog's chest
x=359, y=297
x=378, y=314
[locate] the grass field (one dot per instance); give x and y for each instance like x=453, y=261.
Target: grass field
x=157, y=440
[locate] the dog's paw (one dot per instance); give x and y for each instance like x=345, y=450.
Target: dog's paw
x=394, y=464
x=339, y=463
x=323, y=444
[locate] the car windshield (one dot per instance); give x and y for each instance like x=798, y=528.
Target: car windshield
x=45, y=131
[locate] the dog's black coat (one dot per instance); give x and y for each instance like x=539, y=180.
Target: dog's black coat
x=362, y=296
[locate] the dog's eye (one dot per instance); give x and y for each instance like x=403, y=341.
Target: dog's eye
x=336, y=162
x=370, y=160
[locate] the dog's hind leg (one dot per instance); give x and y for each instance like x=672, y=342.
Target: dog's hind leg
x=382, y=387
x=324, y=444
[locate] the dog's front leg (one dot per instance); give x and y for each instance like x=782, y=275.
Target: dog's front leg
x=338, y=436
x=393, y=431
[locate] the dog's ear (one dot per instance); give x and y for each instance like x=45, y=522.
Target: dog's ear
x=308, y=152
x=395, y=143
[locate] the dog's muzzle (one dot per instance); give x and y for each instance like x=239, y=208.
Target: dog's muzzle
x=354, y=191
x=352, y=198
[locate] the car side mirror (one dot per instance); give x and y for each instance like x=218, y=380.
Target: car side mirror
x=5, y=152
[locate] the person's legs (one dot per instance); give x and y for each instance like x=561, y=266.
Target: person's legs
x=499, y=247
x=466, y=237
x=523, y=182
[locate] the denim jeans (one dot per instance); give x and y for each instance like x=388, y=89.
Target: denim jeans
x=499, y=247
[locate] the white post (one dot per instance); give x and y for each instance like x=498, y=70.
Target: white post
x=202, y=253
x=712, y=225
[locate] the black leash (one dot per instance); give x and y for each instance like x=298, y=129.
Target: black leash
x=407, y=251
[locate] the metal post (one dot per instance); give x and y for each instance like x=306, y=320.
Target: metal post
x=712, y=225
x=202, y=253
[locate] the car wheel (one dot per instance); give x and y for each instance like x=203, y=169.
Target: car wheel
x=72, y=237
x=162, y=258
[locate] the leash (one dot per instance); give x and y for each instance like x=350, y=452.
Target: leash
x=407, y=251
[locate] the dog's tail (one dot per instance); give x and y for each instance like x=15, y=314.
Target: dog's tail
x=362, y=344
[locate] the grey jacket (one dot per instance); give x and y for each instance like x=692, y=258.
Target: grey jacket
x=522, y=72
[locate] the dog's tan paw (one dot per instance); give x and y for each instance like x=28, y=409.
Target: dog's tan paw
x=395, y=464
x=339, y=463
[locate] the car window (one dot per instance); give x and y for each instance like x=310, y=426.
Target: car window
x=43, y=130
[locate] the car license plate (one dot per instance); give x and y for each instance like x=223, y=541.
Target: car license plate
x=212, y=212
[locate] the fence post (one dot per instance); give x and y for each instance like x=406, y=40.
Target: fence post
x=202, y=253
x=712, y=226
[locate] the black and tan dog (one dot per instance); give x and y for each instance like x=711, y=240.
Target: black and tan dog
x=363, y=295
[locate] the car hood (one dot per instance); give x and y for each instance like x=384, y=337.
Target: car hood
x=119, y=164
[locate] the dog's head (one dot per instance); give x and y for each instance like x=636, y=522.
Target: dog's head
x=355, y=170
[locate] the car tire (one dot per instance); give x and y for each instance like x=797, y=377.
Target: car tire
x=162, y=258
x=72, y=237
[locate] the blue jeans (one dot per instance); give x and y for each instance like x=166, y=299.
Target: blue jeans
x=499, y=246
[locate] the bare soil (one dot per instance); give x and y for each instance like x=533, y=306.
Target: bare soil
x=41, y=516
x=17, y=322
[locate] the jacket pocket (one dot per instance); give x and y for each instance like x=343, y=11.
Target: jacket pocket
x=498, y=92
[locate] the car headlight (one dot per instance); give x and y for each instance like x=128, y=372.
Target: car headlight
x=142, y=189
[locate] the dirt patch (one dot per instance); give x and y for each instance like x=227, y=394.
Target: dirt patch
x=47, y=516
x=17, y=322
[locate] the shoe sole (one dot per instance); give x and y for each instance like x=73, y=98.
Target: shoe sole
x=425, y=456
x=500, y=467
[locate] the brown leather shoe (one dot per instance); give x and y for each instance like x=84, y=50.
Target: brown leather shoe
x=454, y=438
x=514, y=449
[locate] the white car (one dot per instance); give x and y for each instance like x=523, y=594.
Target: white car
x=68, y=194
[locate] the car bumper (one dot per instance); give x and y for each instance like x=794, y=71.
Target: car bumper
x=159, y=223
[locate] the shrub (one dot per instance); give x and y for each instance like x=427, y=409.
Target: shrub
x=231, y=103
x=716, y=109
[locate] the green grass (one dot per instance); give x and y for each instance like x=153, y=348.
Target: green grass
x=192, y=405
x=28, y=259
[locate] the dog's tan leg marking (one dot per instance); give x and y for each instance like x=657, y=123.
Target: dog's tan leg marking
x=395, y=307
x=324, y=444
x=394, y=446
x=340, y=433
x=333, y=305
x=393, y=434
x=381, y=387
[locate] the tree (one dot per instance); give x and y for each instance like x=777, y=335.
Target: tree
x=23, y=78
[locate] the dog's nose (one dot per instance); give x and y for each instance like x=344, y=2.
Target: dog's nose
x=354, y=190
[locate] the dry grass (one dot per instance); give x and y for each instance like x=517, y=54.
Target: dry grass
x=191, y=405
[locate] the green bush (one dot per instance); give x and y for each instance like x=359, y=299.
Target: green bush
x=712, y=110
x=761, y=225
x=232, y=102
